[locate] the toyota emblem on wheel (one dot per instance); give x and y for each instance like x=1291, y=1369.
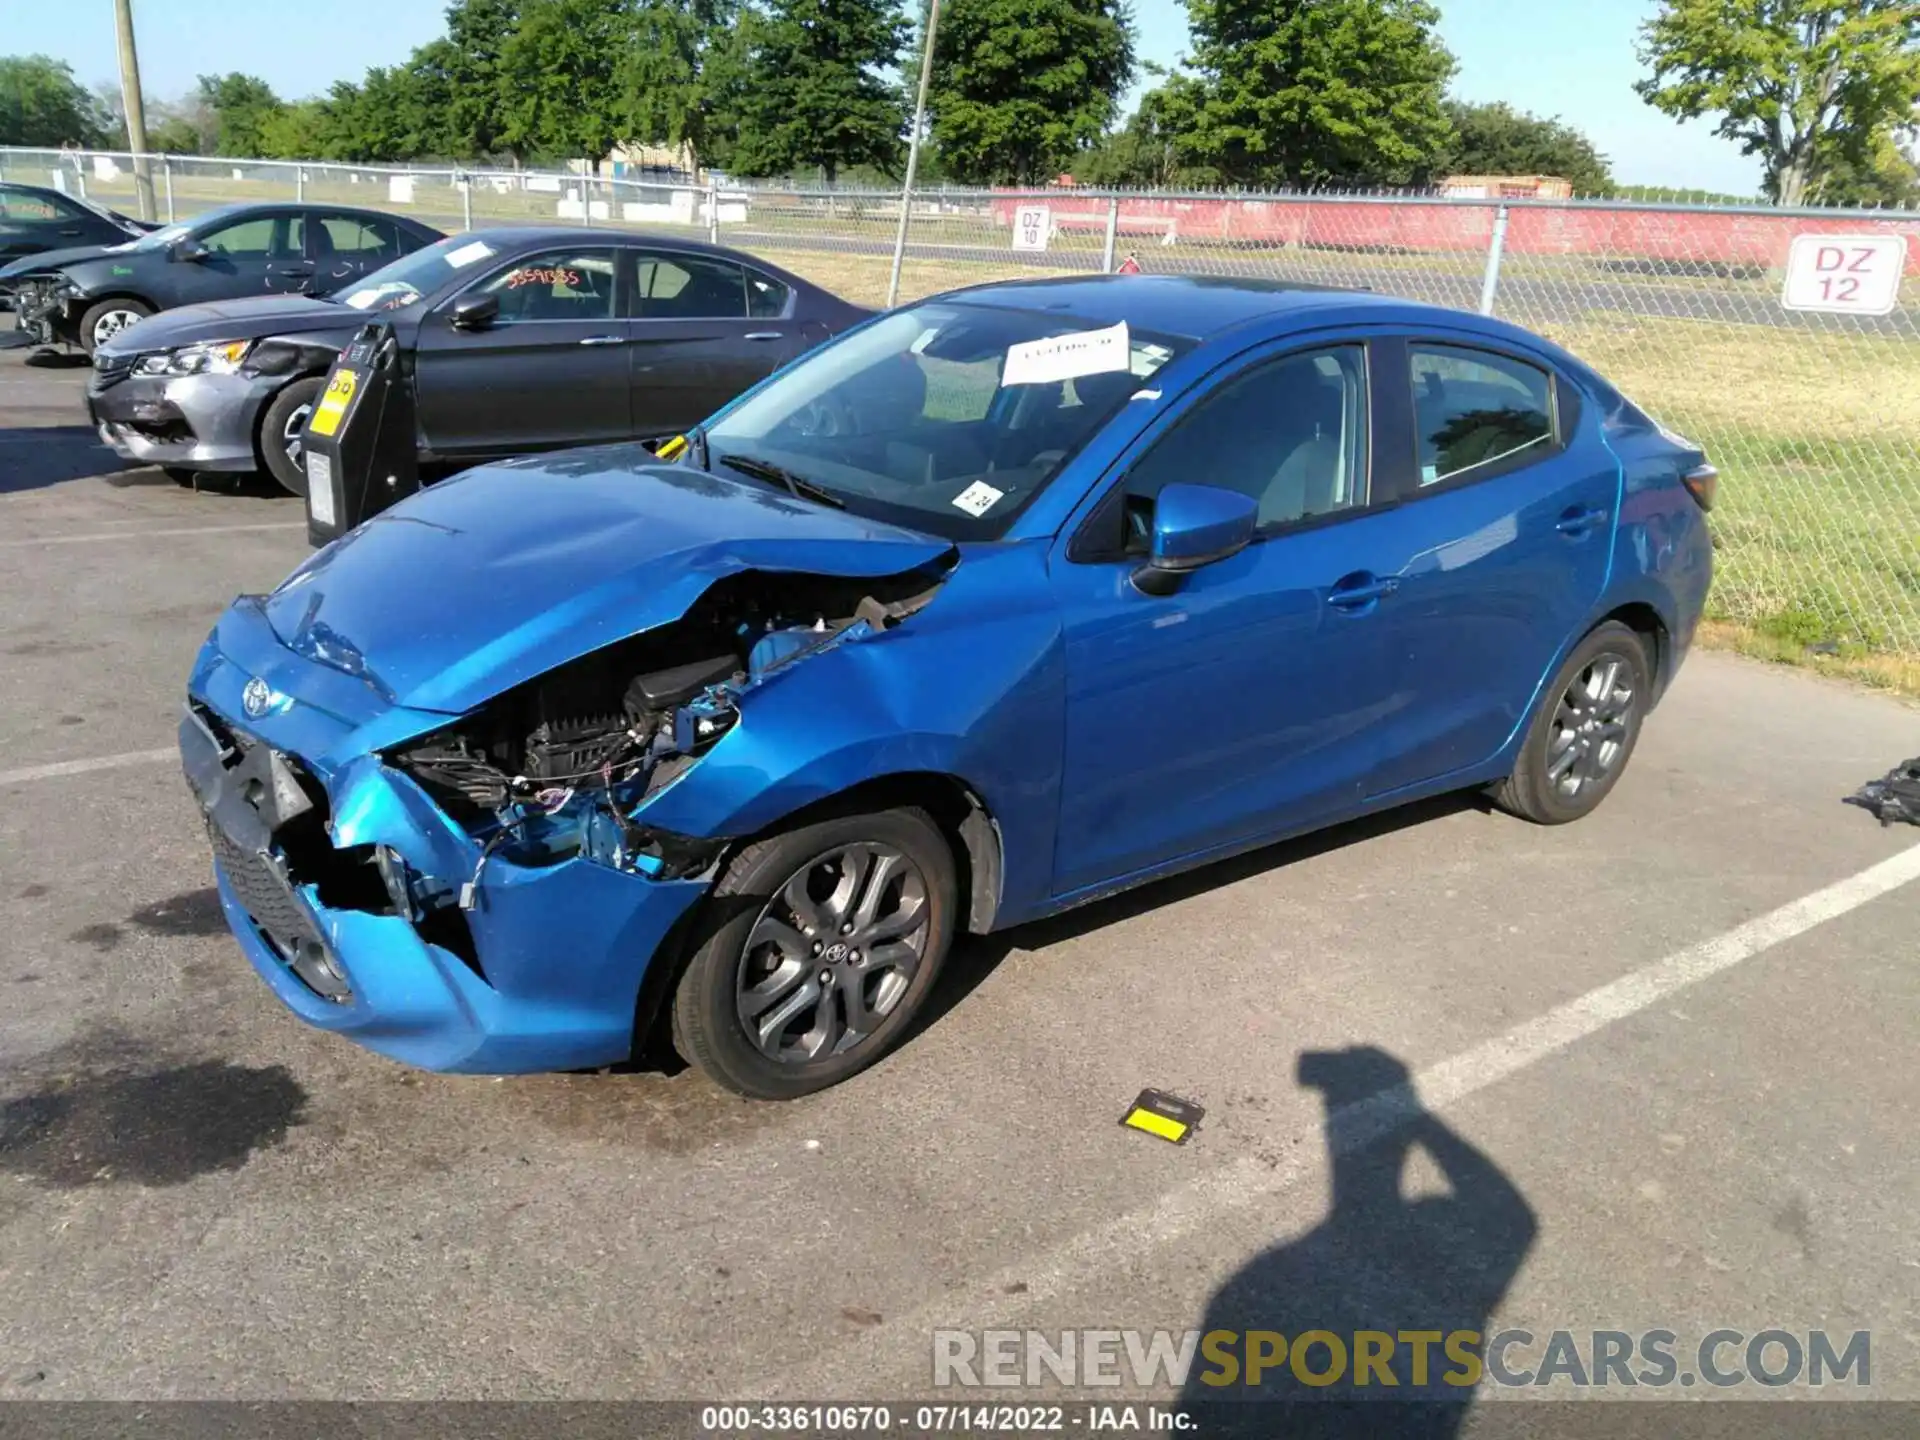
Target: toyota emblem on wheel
x=257, y=698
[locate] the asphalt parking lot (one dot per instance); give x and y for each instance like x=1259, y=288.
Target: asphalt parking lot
x=1689, y=1085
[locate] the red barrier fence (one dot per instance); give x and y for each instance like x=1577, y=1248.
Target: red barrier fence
x=1756, y=237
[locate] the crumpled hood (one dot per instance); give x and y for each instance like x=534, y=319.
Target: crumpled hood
x=253, y=317
x=55, y=259
x=485, y=581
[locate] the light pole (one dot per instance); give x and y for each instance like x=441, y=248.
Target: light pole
x=131, y=102
x=913, y=151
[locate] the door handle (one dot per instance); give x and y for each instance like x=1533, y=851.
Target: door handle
x=604, y=340
x=1579, y=520
x=1359, y=590
x=765, y=335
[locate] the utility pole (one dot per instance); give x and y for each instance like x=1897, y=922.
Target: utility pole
x=913, y=151
x=136, y=111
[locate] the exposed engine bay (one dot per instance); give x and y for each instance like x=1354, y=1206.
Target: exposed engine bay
x=556, y=766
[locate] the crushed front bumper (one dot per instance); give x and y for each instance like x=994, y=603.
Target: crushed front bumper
x=543, y=973
x=195, y=422
x=41, y=310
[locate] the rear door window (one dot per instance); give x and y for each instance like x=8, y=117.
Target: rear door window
x=1477, y=413
x=361, y=239
x=689, y=287
x=766, y=296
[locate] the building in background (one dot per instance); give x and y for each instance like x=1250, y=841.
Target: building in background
x=1507, y=187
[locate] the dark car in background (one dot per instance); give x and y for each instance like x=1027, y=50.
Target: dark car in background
x=35, y=219
x=86, y=295
x=514, y=341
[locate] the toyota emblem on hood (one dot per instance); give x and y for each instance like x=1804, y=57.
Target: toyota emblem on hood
x=257, y=698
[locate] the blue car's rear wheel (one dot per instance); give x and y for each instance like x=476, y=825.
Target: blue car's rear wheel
x=827, y=941
x=1584, y=730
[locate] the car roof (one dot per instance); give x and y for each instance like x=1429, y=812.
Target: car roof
x=239, y=209
x=1194, y=306
x=508, y=236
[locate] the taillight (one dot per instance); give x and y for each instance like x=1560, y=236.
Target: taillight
x=1702, y=482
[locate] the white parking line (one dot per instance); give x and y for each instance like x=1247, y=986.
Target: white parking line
x=82, y=767
x=148, y=534
x=1181, y=1212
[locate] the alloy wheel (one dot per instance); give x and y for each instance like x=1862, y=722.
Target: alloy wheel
x=1589, y=732
x=291, y=432
x=111, y=324
x=832, y=953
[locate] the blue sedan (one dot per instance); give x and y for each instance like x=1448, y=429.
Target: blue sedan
x=999, y=603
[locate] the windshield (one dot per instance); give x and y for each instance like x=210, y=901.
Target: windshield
x=100, y=210
x=946, y=417
x=415, y=275
x=164, y=236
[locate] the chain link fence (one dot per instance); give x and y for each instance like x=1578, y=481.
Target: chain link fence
x=1813, y=418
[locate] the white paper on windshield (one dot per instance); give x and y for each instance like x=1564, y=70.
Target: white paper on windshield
x=367, y=299
x=978, y=498
x=467, y=254
x=1066, y=357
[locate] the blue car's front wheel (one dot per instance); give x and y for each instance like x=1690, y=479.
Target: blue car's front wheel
x=825, y=942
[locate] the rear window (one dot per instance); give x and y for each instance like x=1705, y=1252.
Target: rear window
x=1475, y=410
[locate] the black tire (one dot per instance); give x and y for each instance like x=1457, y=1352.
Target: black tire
x=109, y=318
x=732, y=970
x=286, y=412
x=1583, y=734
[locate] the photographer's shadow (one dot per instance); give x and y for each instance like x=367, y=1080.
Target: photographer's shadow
x=1380, y=1262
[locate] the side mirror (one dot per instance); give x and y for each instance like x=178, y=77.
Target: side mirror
x=474, y=312
x=1194, y=525
x=188, y=248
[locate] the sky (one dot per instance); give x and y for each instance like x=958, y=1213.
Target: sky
x=1571, y=58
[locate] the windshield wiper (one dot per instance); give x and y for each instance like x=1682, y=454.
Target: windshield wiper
x=802, y=488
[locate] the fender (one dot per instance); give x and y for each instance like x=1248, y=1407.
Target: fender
x=900, y=703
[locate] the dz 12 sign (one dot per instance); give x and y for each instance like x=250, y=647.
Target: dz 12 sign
x=1845, y=274
x=1031, y=227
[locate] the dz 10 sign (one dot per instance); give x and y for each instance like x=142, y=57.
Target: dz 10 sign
x=1845, y=274
x=1032, y=227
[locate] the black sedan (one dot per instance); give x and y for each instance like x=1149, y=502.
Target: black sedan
x=516, y=340
x=35, y=219
x=88, y=294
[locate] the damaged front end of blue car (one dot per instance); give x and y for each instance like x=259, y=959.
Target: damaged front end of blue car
x=472, y=884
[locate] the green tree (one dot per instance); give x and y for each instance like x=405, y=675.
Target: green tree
x=557, y=77
x=1310, y=92
x=1143, y=153
x=674, y=70
x=811, y=94
x=300, y=131
x=172, y=134
x=42, y=104
x=477, y=34
x=1804, y=85
x=1496, y=139
x=1888, y=176
x=1023, y=87
x=240, y=106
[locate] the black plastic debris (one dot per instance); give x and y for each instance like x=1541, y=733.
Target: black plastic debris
x=1894, y=797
